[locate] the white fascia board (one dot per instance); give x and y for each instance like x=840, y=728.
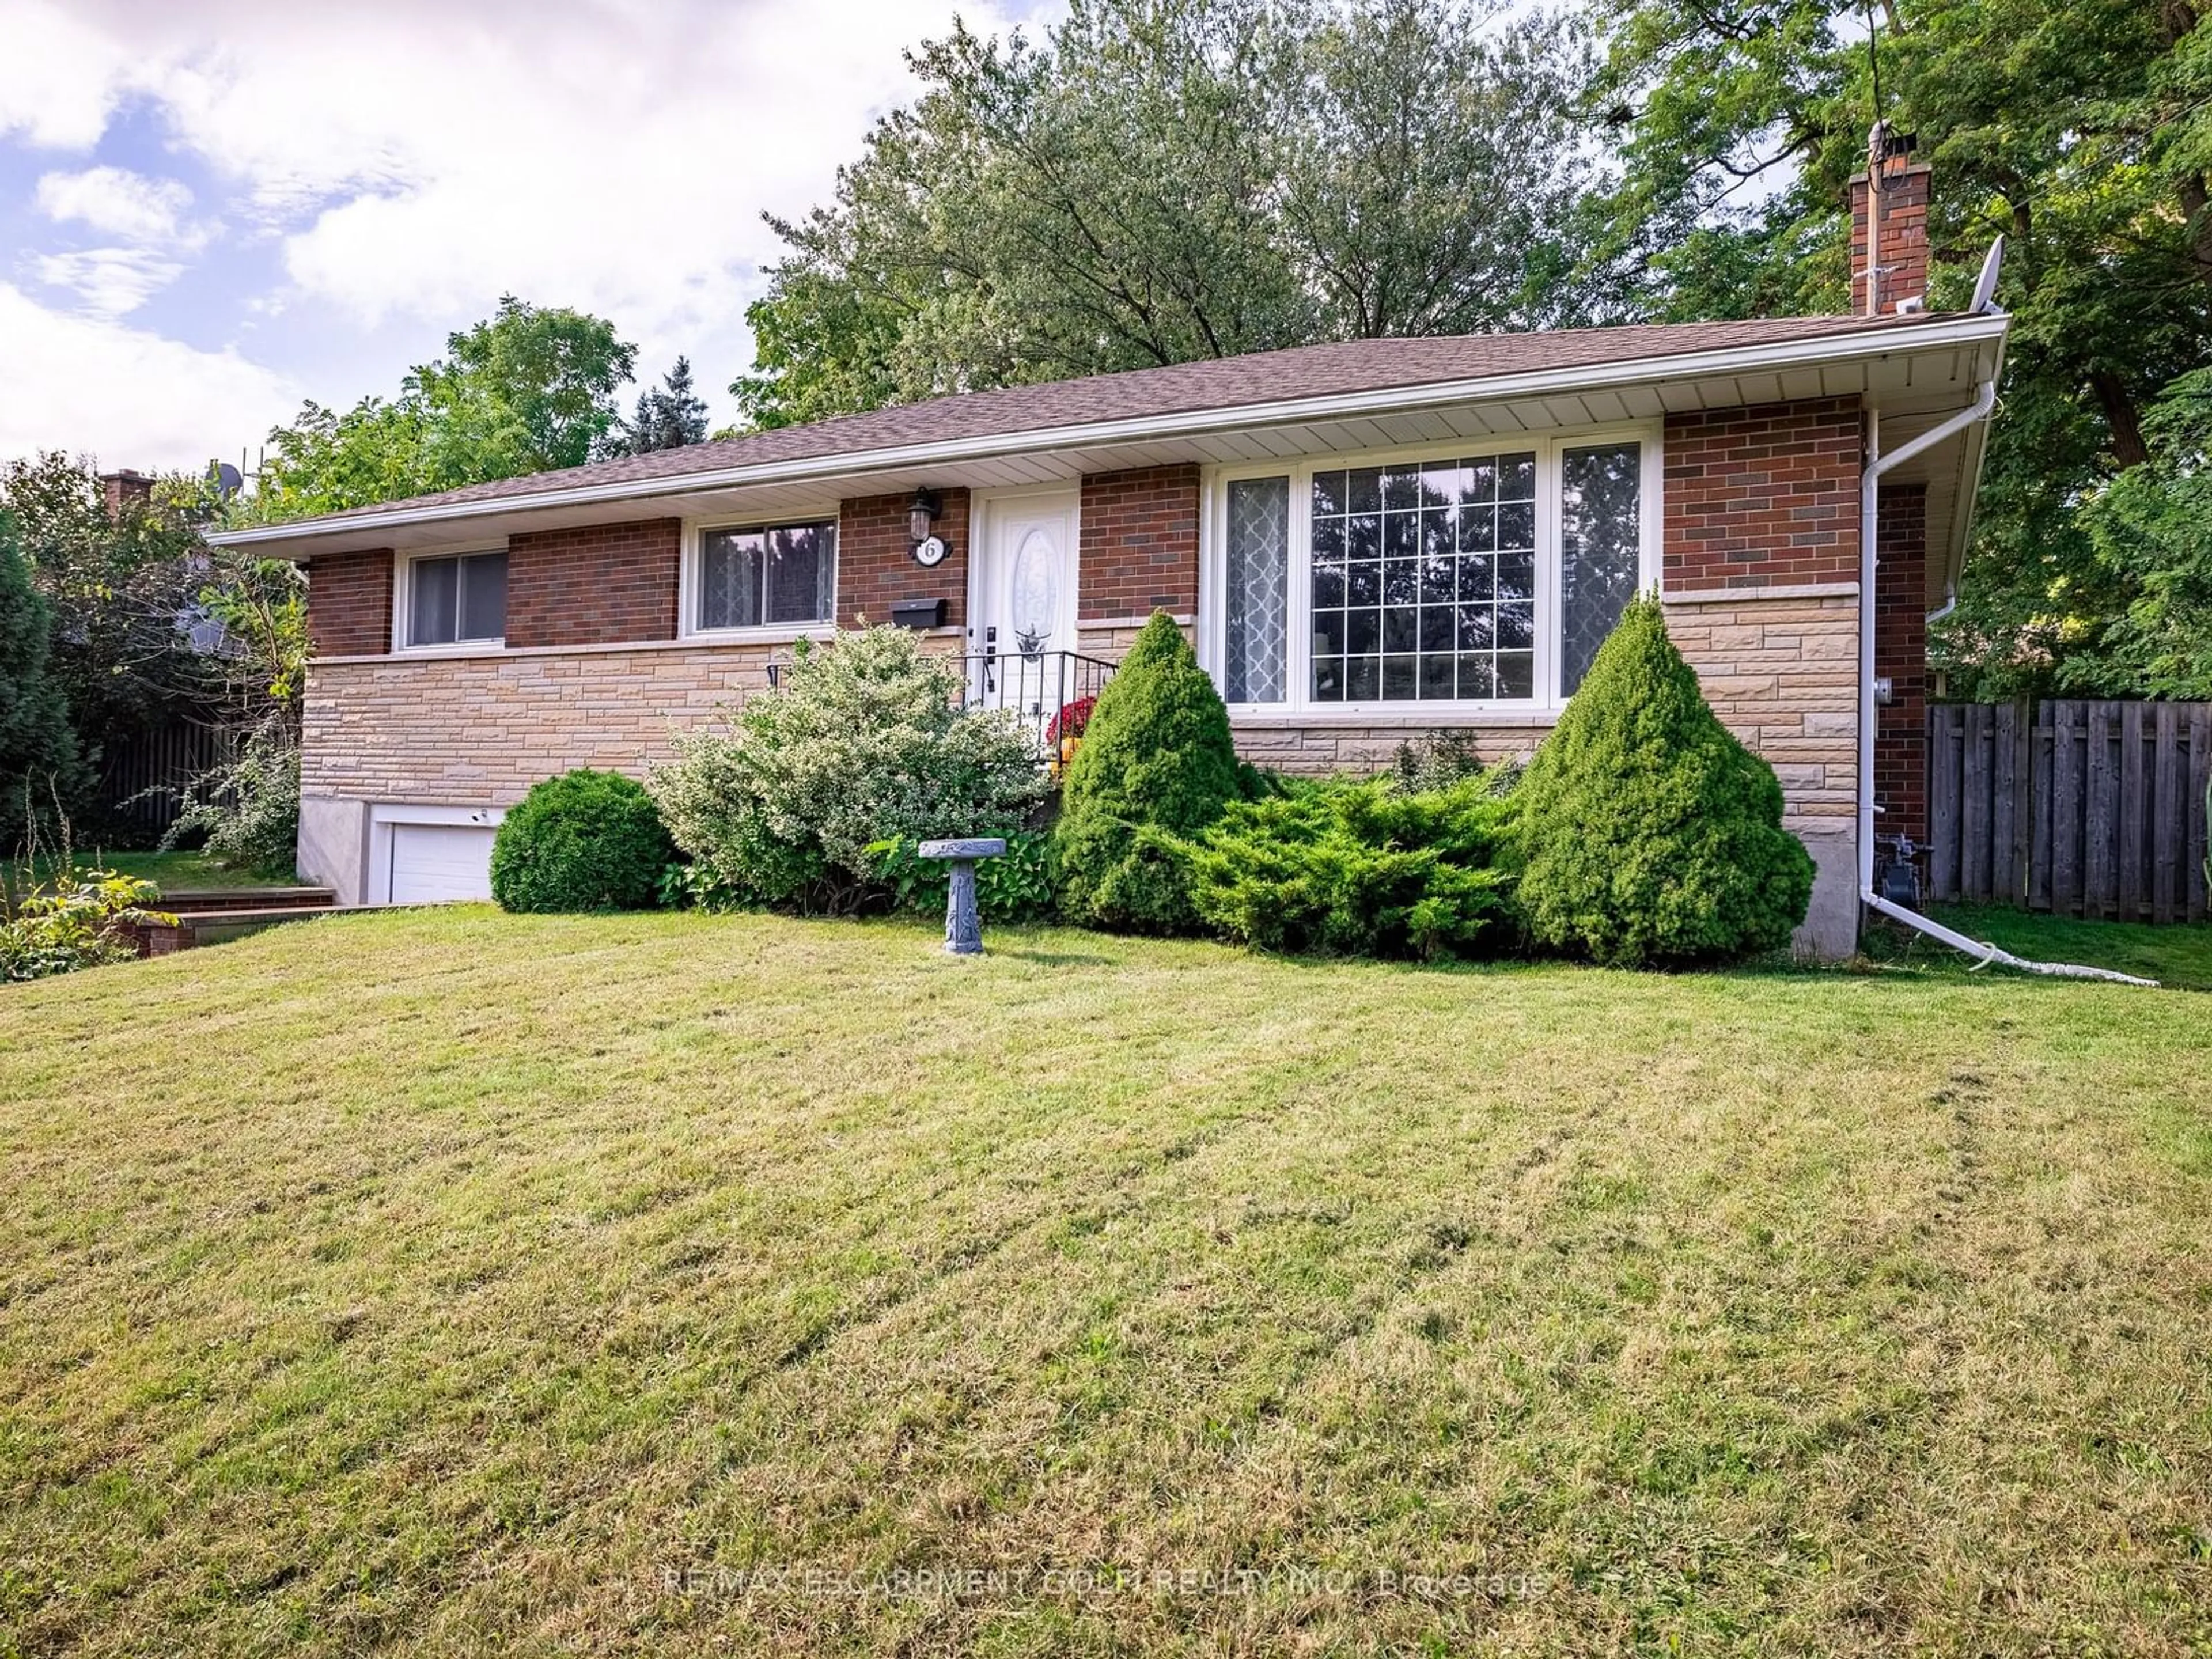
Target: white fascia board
x=1970, y=474
x=1496, y=388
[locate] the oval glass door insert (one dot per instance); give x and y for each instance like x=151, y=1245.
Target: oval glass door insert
x=1033, y=592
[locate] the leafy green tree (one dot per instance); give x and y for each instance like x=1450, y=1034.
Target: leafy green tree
x=1152, y=184
x=2081, y=130
x=1652, y=836
x=247, y=809
x=121, y=587
x=530, y=390
x=669, y=417
x=38, y=750
x=1156, y=767
x=2152, y=529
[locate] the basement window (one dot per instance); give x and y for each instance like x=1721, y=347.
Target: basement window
x=456, y=599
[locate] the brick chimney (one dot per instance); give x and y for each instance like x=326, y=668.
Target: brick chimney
x=1899, y=278
x=126, y=490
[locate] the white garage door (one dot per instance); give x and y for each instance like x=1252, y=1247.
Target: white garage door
x=436, y=863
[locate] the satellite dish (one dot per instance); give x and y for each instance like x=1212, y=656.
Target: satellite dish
x=229, y=480
x=1985, y=285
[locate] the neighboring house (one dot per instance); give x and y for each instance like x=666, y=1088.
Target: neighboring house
x=1367, y=540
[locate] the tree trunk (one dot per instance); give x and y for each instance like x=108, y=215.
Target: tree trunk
x=2196, y=215
x=2128, y=446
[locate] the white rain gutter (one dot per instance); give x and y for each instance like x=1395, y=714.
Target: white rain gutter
x=1869, y=500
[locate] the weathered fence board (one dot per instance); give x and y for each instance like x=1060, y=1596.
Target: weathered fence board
x=2066, y=821
x=1943, y=798
x=2039, y=836
x=2090, y=808
x=2200, y=779
x=2166, y=773
x=1977, y=735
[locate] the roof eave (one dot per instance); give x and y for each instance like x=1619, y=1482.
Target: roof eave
x=1795, y=354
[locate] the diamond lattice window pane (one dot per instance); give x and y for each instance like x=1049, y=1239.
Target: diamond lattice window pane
x=1257, y=623
x=1599, y=551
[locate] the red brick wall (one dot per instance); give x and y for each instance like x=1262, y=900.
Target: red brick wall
x=349, y=604
x=1903, y=239
x=875, y=559
x=1140, y=543
x=599, y=584
x=1763, y=497
x=1900, y=651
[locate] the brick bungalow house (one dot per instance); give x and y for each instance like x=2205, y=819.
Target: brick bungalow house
x=1367, y=540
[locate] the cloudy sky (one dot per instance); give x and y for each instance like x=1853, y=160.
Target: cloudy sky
x=210, y=211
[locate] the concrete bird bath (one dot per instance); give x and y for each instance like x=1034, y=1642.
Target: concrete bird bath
x=963, y=924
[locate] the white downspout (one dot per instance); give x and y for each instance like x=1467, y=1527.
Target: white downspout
x=1869, y=501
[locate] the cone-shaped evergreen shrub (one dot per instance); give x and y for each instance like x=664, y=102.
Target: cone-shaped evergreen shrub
x=1156, y=764
x=584, y=841
x=1651, y=835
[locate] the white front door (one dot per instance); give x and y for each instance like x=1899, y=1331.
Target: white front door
x=1024, y=612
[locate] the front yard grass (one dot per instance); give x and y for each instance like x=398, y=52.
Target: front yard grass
x=173, y=872
x=447, y=1281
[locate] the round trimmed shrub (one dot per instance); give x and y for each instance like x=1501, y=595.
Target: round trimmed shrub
x=1652, y=836
x=585, y=841
x=1156, y=767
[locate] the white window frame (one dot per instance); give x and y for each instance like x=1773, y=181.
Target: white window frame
x=1213, y=562
x=402, y=601
x=696, y=532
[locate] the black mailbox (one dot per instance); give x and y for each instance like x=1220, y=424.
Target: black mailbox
x=918, y=613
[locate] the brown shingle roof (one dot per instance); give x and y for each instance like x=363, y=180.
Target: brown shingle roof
x=1340, y=369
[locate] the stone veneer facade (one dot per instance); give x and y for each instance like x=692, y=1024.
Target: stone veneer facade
x=479, y=730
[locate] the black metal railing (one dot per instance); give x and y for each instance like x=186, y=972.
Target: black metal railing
x=1051, y=692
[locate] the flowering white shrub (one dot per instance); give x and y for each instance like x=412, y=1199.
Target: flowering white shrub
x=864, y=742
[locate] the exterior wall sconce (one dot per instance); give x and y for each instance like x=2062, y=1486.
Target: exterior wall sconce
x=929, y=547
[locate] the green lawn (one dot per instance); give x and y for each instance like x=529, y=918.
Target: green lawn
x=2180, y=957
x=173, y=872
x=444, y=1281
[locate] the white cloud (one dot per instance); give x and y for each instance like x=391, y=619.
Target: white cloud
x=132, y=396
x=116, y=201
x=111, y=282
x=61, y=73
x=412, y=161
x=146, y=215
x=618, y=158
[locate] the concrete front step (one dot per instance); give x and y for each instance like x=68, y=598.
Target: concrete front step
x=197, y=900
x=192, y=929
x=207, y=915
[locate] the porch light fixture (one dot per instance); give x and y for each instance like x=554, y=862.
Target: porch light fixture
x=929, y=547
x=920, y=513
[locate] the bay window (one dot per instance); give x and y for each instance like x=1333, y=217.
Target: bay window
x=1473, y=575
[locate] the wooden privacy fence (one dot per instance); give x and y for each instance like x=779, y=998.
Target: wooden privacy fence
x=2091, y=809
x=163, y=759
